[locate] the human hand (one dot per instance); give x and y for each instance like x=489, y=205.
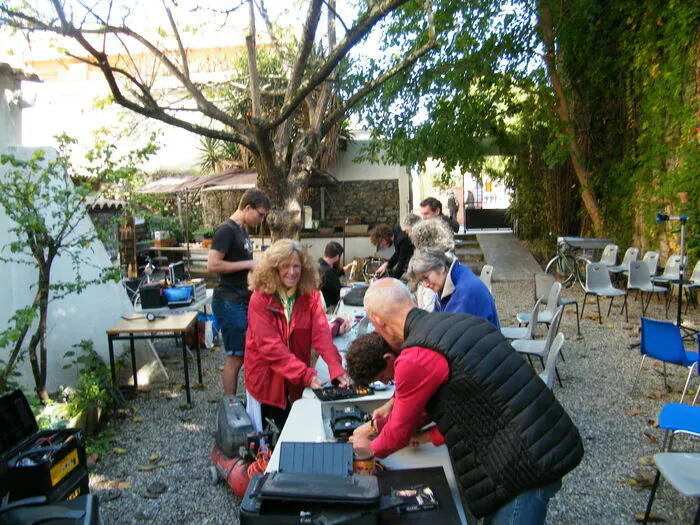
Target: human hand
x=345, y=327
x=419, y=438
x=360, y=441
x=349, y=266
x=252, y=264
x=343, y=380
x=381, y=270
x=365, y=430
x=315, y=383
x=384, y=410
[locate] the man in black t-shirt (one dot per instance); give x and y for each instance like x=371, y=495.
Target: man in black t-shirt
x=331, y=272
x=231, y=257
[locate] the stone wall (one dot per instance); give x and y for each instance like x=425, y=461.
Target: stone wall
x=376, y=201
x=217, y=206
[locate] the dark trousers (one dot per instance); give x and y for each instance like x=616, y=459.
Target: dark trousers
x=278, y=415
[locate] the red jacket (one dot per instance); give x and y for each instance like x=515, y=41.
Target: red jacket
x=277, y=355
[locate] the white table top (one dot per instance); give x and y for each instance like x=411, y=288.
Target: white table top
x=305, y=424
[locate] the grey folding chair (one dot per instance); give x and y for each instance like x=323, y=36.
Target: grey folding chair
x=692, y=286
x=598, y=284
x=632, y=254
x=485, y=276
x=672, y=272
x=540, y=348
x=547, y=314
x=523, y=332
x=550, y=368
x=640, y=280
x=682, y=471
x=609, y=256
x=652, y=259
x=543, y=283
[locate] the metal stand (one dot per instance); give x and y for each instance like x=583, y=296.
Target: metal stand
x=683, y=219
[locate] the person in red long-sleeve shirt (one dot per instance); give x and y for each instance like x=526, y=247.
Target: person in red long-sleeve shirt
x=417, y=373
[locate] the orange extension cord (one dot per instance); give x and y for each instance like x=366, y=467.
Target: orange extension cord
x=260, y=464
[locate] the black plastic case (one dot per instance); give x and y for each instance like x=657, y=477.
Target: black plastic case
x=54, y=460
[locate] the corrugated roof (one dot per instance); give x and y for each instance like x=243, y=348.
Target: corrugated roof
x=102, y=204
x=231, y=180
x=8, y=70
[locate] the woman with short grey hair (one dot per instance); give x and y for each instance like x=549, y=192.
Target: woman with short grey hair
x=409, y=221
x=458, y=289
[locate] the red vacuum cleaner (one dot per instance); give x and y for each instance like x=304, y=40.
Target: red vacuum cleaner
x=239, y=452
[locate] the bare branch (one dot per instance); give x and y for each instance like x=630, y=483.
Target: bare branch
x=309, y=33
x=340, y=112
x=335, y=13
x=277, y=48
x=253, y=63
x=325, y=94
x=363, y=26
x=183, y=54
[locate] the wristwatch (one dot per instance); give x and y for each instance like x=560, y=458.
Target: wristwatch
x=150, y=317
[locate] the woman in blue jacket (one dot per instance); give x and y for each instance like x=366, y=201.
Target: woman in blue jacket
x=458, y=289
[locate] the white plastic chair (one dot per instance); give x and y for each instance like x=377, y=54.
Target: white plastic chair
x=692, y=286
x=640, y=279
x=486, y=275
x=540, y=347
x=671, y=271
x=609, y=256
x=550, y=368
x=543, y=283
x=546, y=315
x=682, y=471
x=523, y=332
x=632, y=254
x=598, y=284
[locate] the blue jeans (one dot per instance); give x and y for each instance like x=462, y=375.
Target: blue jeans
x=233, y=320
x=529, y=508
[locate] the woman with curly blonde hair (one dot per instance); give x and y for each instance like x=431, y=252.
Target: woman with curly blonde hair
x=286, y=318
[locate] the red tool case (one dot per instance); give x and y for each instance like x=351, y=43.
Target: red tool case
x=47, y=463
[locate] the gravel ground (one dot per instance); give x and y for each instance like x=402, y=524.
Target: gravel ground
x=617, y=428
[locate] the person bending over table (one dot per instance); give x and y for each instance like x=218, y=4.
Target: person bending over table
x=285, y=318
x=509, y=440
x=382, y=236
x=458, y=289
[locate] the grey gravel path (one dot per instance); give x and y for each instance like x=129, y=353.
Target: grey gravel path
x=598, y=375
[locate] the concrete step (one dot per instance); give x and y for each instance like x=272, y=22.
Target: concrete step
x=465, y=237
x=466, y=243
x=475, y=266
x=469, y=254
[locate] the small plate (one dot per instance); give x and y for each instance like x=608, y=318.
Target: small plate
x=379, y=386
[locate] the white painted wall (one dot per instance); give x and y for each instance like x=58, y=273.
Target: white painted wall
x=10, y=113
x=76, y=317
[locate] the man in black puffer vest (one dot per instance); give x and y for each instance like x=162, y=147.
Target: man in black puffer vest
x=509, y=440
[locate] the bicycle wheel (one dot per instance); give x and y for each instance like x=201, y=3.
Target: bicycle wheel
x=563, y=268
x=581, y=263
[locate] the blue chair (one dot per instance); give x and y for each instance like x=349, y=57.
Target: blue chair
x=677, y=418
x=662, y=340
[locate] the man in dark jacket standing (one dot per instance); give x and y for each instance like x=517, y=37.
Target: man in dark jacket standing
x=509, y=440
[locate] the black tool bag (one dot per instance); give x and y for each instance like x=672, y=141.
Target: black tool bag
x=48, y=463
x=355, y=296
x=83, y=510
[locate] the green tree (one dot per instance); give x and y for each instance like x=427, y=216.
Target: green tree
x=46, y=209
x=284, y=156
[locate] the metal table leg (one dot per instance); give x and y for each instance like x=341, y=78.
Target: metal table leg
x=187, y=371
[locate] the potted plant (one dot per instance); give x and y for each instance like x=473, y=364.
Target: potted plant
x=326, y=227
x=93, y=391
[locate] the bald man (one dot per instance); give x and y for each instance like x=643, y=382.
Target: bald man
x=509, y=440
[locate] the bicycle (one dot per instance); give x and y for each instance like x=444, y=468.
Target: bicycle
x=150, y=275
x=566, y=266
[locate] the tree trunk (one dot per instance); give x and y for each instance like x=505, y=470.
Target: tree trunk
x=38, y=362
x=590, y=200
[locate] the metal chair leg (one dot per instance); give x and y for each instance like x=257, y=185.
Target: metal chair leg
x=600, y=319
x=687, y=381
x=636, y=377
x=651, y=497
x=583, y=308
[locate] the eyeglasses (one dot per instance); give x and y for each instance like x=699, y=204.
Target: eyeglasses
x=425, y=279
x=262, y=214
